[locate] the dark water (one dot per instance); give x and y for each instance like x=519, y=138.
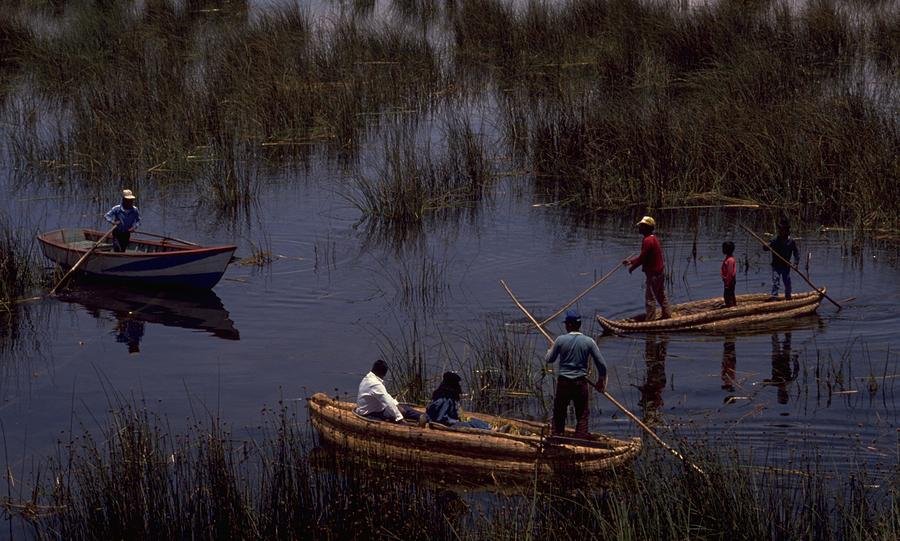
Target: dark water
x=316, y=317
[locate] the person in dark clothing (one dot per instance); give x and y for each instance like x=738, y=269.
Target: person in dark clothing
x=444, y=405
x=785, y=247
x=729, y=273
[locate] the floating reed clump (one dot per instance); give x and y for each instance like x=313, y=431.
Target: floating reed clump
x=140, y=479
x=413, y=183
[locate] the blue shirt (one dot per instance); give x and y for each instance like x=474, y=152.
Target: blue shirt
x=573, y=350
x=127, y=218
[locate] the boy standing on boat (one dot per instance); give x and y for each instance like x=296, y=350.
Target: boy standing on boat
x=126, y=218
x=782, y=248
x=373, y=400
x=729, y=273
x=573, y=350
x=651, y=259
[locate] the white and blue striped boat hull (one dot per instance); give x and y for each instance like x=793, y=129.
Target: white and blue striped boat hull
x=147, y=262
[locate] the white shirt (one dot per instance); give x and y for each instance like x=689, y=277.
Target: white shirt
x=373, y=398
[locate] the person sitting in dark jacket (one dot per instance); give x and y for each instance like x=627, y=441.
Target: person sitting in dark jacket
x=444, y=405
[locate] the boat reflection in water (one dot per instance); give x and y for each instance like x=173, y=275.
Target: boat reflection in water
x=133, y=307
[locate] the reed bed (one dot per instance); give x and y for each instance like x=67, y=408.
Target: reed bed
x=501, y=371
x=626, y=102
x=412, y=182
x=147, y=89
x=139, y=479
x=20, y=271
x=605, y=102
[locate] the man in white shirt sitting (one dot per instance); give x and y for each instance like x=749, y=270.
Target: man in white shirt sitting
x=375, y=402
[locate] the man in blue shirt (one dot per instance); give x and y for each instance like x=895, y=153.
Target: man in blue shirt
x=573, y=350
x=126, y=218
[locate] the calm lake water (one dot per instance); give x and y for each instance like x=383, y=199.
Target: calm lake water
x=315, y=318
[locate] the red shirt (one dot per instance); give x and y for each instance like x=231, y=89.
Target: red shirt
x=729, y=271
x=651, y=256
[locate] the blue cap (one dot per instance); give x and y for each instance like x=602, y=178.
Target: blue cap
x=573, y=315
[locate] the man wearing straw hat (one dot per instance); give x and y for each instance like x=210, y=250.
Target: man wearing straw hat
x=573, y=350
x=651, y=260
x=126, y=218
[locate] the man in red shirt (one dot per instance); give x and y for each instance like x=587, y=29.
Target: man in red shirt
x=651, y=259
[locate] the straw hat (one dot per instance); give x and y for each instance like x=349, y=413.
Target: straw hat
x=647, y=220
x=126, y=194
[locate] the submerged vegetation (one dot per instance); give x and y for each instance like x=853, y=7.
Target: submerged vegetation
x=602, y=103
x=20, y=272
x=139, y=479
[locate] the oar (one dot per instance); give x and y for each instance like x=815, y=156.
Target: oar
x=167, y=238
x=81, y=260
x=608, y=396
x=812, y=285
x=583, y=293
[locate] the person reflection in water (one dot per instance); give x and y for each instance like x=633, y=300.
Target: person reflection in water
x=729, y=364
x=651, y=391
x=129, y=331
x=785, y=366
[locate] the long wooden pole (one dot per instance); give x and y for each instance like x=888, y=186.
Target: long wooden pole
x=81, y=260
x=583, y=293
x=802, y=275
x=167, y=238
x=608, y=396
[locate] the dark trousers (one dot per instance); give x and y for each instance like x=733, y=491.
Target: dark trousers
x=572, y=390
x=729, y=296
x=407, y=412
x=120, y=240
x=781, y=275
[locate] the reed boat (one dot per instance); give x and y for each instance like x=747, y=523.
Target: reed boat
x=516, y=454
x=165, y=261
x=710, y=315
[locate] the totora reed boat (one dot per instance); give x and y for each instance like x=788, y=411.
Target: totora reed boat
x=168, y=262
x=710, y=315
x=518, y=453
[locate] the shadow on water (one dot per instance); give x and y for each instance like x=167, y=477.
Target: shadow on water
x=132, y=308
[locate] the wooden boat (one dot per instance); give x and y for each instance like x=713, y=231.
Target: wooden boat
x=166, y=261
x=516, y=454
x=710, y=315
